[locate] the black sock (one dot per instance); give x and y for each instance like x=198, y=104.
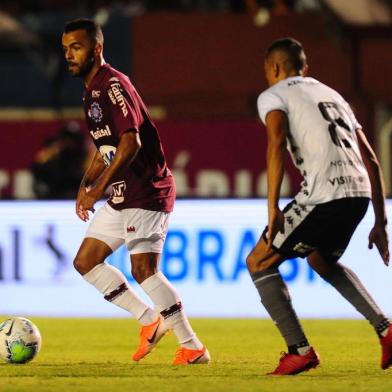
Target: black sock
x=294, y=348
x=381, y=327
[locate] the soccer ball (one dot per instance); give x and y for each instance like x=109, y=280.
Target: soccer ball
x=20, y=340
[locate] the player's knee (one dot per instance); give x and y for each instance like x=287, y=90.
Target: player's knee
x=80, y=265
x=250, y=262
x=260, y=264
x=253, y=264
x=141, y=272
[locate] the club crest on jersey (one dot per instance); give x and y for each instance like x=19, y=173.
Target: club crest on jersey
x=95, y=112
x=95, y=94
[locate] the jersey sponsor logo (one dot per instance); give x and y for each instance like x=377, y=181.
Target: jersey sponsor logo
x=342, y=180
x=101, y=132
x=118, y=189
x=107, y=152
x=117, y=98
x=95, y=112
x=95, y=94
x=340, y=163
x=112, y=98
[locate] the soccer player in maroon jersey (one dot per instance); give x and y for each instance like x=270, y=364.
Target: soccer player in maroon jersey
x=130, y=158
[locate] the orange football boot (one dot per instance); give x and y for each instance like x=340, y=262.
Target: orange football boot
x=150, y=335
x=186, y=356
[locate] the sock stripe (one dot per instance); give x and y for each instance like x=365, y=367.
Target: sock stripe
x=117, y=292
x=176, y=308
x=265, y=277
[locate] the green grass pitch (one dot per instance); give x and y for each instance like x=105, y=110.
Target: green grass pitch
x=94, y=355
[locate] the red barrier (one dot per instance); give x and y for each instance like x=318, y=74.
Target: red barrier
x=209, y=159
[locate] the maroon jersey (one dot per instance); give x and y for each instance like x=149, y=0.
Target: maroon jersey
x=112, y=106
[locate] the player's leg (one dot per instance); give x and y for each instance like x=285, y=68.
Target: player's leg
x=347, y=283
x=168, y=303
x=145, y=244
x=345, y=215
x=263, y=267
x=101, y=240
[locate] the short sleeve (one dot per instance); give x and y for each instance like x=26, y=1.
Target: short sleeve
x=269, y=101
x=123, y=111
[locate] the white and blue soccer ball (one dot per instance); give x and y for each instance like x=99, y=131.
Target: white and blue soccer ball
x=20, y=340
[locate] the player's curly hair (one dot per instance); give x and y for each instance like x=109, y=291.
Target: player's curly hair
x=292, y=48
x=92, y=28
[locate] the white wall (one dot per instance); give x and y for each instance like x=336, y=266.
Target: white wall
x=204, y=257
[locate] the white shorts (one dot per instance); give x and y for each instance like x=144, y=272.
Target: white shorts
x=143, y=231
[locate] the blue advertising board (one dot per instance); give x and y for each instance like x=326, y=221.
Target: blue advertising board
x=204, y=257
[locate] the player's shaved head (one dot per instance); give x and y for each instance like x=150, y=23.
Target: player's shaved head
x=289, y=53
x=92, y=29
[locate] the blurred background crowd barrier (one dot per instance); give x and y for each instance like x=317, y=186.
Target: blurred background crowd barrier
x=199, y=67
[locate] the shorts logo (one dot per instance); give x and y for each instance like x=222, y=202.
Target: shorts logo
x=131, y=229
x=338, y=252
x=303, y=248
x=95, y=112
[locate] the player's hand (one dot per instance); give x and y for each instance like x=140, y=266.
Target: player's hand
x=378, y=236
x=275, y=225
x=86, y=200
x=79, y=209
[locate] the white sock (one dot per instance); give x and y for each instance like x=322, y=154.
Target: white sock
x=168, y=303
x=113, y=285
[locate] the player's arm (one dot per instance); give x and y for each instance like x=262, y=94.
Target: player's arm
x=127, y=149
x=378, y=235
x=277, y=130
x=95, y=169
